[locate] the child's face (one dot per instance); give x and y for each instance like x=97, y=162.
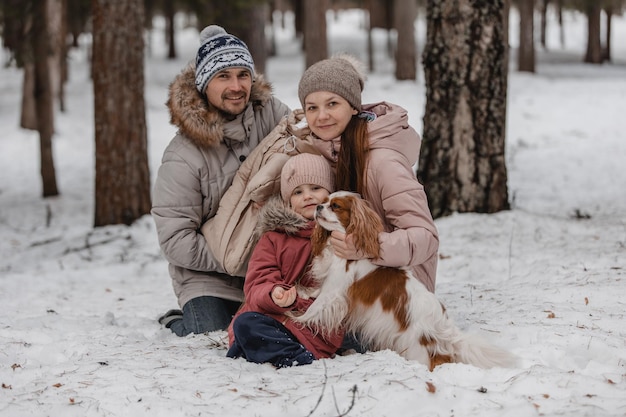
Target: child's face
x=305, y=198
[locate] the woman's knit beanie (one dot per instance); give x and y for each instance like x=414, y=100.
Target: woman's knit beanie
x=342, y=74
x=219, y=50
x=305, y=168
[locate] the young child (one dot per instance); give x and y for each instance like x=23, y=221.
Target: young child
x=260, y=331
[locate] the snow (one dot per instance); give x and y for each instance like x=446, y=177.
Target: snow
x=79, y=337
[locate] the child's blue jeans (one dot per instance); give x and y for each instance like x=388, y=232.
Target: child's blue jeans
x=261, y=339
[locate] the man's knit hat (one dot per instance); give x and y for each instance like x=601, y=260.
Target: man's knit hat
x=305, y=168
x=219, y=50
x=342, y=74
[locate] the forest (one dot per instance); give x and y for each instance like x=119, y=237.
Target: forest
x=39, y=34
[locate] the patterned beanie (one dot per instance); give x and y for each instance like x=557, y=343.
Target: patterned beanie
x=342, y=74
x=305, y=168
x=219, y=50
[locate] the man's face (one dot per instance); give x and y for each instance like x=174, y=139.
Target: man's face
x=229, y=90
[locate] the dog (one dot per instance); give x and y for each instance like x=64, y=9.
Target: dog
x=389, y=308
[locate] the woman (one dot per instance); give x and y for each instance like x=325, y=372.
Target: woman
x=373, y=149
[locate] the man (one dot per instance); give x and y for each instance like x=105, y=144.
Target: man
x=222, y=110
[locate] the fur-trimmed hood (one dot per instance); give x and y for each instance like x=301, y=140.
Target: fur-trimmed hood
x=274, y=215
x=194, y=117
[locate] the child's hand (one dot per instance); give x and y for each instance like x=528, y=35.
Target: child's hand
x=283, y=297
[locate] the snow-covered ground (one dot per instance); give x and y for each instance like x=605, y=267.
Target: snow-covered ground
x=78, y=332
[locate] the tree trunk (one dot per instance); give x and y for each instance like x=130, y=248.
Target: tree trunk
x=55, y=28
x=246, y=20
x=370, y=38
x=526, y=51
x=559, y=13
x=28, y=114
x=462, y=163
x=170, y=35
x=606, y=52
x=122, y=189
x=405, y=12
x=315, y=40
x=298, y=11
x=544, y=22
x=64, y=71
x=256, y=17
x=43, y=97
x=594, y=45
x=275, y=7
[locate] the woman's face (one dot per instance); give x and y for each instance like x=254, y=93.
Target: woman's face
x=327, y=114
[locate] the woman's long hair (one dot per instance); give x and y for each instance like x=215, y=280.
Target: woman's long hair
x=352, y=158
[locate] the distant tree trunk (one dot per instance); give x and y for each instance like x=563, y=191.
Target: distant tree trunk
x=246, y=20
x=55, y=32
x=254, y=34
x=544, y=22
x=28, y=113
x=43, y=96
x=370, y=38
x=462, y=164
x=315, y=40
x=170, y=12
x=122, y=175
x=56, y=53
x=12, y=20
x=559, y=13
x=606, y=52
x=380, y=15
x=594, y=45
x=79, y=13
x=526, y=51
x=298, y=11
x=405, y=13
x=275, y=6
x=64, y=76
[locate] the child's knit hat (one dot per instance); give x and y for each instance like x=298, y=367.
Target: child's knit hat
x=305, y=168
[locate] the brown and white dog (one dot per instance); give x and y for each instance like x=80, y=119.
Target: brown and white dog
x=388, y=307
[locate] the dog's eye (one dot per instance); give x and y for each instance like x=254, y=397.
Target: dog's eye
x=335, y=206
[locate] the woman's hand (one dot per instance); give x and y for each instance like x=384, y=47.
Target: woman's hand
x=343, y=245
x=283, y=297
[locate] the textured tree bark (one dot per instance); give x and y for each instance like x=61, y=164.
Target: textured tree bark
x=122, y=190
x=462, y=162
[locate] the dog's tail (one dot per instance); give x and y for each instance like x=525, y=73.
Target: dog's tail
x=475, y=350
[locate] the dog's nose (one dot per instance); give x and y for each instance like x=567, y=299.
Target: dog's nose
x=319, y=208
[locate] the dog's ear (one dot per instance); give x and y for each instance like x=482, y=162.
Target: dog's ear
x=319, y=237
x=364, y=227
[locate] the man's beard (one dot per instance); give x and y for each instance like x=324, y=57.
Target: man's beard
x=224, y=110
